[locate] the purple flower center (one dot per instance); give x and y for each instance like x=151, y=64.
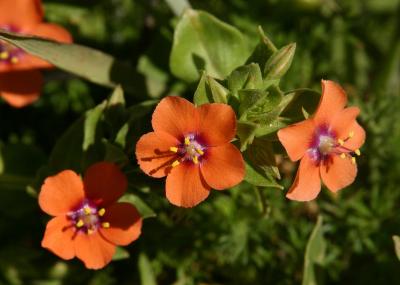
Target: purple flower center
x=9, y=54
x=88, y=218
x=192, y=149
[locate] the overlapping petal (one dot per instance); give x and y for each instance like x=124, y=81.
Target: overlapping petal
x=104, y=183
x=358, y=139
x=23, y=13
x=61, y=193
x=185, y=187
x=338, y=173
x=153, y=154
x=125, y=224
x=223, y=167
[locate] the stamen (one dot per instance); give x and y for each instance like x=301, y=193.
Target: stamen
x=342, y=155
x=358, y=152
x=353, y=160
x=175, y=163
x=341, y=142
x=351, y=134
x=195, y=160
x=87, y=210
x=90, y=231
x=199, y=151
x=80, y=224
x=4, y=55
x=105, y=225
x=101, y=212
x=14, y=60
x=187, y=141
x=173, y=149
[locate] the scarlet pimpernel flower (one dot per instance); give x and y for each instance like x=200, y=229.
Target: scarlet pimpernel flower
x=326, y=143
x=20, y=77
x=191, y=146
x=88, y=222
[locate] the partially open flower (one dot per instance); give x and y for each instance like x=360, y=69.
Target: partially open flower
x=326, y=143
x=89, y=222
x=20, y=78
x=191, y=146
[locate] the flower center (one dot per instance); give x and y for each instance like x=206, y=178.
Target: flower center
x=88, y=218
x=189, y=150
x=9, y=54
x=325, y=144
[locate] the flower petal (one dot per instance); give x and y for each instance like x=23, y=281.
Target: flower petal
x=125, y=224
x=104, y=183
x=93, y=250
x=185, y=187
x=333, y=100
x=175, y=116
x=297, y=138
x=20, y=13
x=307, y=184
x=343, y=120
x=358, y=138
x=61, y=193
x=338, y=173
x=58, y=237
x=217, y=123
x=227, y=161
x=21, y=88
x=153, y=154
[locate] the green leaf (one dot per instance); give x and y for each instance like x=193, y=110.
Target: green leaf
x=120, y=253
x=245, y=77
x=396, y=240
x=279, y=63
x=202, y=42
x=299, y=104
x=209, y=91
x=315, y=254
x=147, y=276
x=263, y=51
x=144, y=210
x=114, y=154
x=92, y=118
x=246, y=132
x=91, y=64
x=178, y=6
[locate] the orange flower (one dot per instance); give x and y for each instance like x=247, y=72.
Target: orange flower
x=88, y=221
x=20, y=78
x=192, y=147
x=325, y=143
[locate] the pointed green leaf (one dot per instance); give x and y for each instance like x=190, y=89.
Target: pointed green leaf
x=279, y=63
x=120, y=253
x=210, y=91
x=245, y=77
x=147, y=276
x=263, y=51
x=396, y=240
x=202, y=42
x=246, y=132
x=144, y=209
x=298, y=103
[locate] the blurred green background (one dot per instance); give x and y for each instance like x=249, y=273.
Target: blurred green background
x=241, y=236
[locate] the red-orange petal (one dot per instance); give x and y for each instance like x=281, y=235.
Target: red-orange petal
x=21, y=88
x=20, y=13
x=217, y=123
x=93, y=250
x=223, y=166
x=343, y=120
x=307, y=183
x=338, y=173
x=61, y=193
x=153, y=154
x=333, y=100
x=58, y=237
x=297, y=138
x=104, y=183
x=175, y=116
x=358, y=138
x=185, y=187
x=125, y=224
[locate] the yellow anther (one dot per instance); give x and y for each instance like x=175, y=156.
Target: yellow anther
x=358, y=152
x=175, y=163
x=342, y=155
x=14, y=60
x=199, y=151
x=105, y=225
x=353, y=160
x=187, y=141
x=341, y=142
x=80, y=224
x=195, y=160
x=101, y=212
x=90, y=231
x=173, y=149
x=87, y=210
x=351, y=134
x=4, y=55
